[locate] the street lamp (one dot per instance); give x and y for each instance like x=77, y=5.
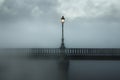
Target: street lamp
x=62, y=21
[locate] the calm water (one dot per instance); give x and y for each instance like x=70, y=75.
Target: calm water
x=14, y=67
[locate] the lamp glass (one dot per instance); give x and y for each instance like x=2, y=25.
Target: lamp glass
x=62, y=20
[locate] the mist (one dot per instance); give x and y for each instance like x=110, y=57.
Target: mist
x=36, y=24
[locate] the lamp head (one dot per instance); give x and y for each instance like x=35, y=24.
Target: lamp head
x=62, y=19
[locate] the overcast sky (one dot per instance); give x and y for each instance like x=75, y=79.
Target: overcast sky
x=36, y=23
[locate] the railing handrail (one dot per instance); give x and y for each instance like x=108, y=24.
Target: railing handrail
x=67, y=51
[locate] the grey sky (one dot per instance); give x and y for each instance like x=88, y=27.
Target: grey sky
x=36, y=23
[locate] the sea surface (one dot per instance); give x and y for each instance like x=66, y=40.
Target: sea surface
x=17, y=67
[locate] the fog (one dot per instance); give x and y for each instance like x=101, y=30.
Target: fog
x=36, y=23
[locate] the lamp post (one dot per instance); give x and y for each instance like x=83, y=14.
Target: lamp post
x=64, y=62
x=62, y=21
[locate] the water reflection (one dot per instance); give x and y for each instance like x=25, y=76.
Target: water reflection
x=63, y=67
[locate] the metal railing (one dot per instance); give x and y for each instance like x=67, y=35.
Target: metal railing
x=67, y=51
x=77, y=51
